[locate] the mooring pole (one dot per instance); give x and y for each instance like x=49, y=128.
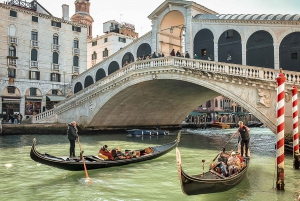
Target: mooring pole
x=295, y=127
x=280, y=130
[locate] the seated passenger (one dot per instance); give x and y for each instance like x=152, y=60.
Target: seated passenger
x=104, y=151
x=222, y=164
x=234, y=164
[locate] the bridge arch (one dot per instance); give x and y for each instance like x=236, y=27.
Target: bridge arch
x=78, y=87
x=230, y=47
x=170, y=27
x=143, y=50
x=113, y=67
x=260, y=50
x=127, y=57
x=88, y=81
x=204, y=44
x=100, y=74
x=289, y=52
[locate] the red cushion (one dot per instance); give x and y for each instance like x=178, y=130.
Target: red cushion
x=241, y=158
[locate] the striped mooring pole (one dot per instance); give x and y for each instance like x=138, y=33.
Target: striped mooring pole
x=280, y=130
x=296, y=155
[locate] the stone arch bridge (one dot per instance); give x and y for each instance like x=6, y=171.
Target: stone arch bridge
x=165, y=90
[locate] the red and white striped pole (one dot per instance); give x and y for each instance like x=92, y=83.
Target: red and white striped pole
x=280, y=130
x=295, y=126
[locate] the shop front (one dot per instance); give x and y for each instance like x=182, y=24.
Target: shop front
x=10, y=106
x=51, y=100
x=33, y=106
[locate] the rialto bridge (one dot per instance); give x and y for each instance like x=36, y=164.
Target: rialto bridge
x=239, y=57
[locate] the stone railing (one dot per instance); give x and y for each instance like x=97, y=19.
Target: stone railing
x=212, y=67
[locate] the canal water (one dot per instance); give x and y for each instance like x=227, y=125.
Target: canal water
x=24, y=179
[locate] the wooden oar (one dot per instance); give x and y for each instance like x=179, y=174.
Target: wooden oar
x=85, y=170
x=223, y=149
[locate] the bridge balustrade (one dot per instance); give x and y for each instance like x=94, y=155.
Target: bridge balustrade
x=236, y=70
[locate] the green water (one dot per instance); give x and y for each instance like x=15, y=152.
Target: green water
x=24, y=179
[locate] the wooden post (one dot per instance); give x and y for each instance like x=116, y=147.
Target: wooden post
x=280, y=131
x=295, y=127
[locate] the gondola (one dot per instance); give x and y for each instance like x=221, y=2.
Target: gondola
x=139, y=132
x=208, y=182
x=94, y=162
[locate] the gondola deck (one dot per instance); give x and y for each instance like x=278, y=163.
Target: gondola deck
x=94, y=162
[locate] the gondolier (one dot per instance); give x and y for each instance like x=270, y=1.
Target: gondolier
x=72, y=136
x=245, y=137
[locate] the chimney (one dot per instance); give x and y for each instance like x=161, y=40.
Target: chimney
x=65, y=12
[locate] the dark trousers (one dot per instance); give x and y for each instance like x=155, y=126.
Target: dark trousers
x=72, y=148
x=246, y=143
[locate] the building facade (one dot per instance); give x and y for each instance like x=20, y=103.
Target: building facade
x=116, y=36
x=39, y=56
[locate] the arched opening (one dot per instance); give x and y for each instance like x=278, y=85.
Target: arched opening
x=113, y=67
x=78, y=87
x=33, y=101
x=204, y=45
x=12, y=30
x=260, y=50
x=88, y=81
x=289, y=52
x=143, y=50
x=127, y=59
x=170, y=34
x=230, y=47
x=100, y=74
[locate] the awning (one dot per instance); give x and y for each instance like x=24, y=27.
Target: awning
x=55, y=98
x=10, y=100
x=33, y=98
x=194, y=113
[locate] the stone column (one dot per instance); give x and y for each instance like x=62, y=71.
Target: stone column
x=0, y=104
x=216, y=50
x=244, y=52
x=276, y=56
x=22, y=106
x=43, y=103
x=189, y=32
x=154, y=35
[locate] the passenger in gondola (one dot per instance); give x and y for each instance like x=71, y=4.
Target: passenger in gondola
x=234, y=164
x=104, y=151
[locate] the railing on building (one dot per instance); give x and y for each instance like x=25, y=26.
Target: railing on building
x=55, y=47
x=29, y=5
x=55, y=67
x=34, y=64
x=195, y=66
x=76, y=51
x=12, y=40
x=76, y=69
x=12, y=62
x=34, y=43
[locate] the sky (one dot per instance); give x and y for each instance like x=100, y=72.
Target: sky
x=137, y=11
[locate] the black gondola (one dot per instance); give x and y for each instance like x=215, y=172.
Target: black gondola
x=94, y=162
x=208, y=182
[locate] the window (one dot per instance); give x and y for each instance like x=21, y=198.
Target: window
x=34, y=19
x=34, y=55
x=105, y=53
x=34, y=35
x=94, y=43
x=55, y=39
x=55, y=24
x=229, y=34
x=11, y=89
x=75, y=61
x=11, y=73
x=203, y=52
x=221, y=103
x=78, y=29
x=55, y=77
x=13, y=13
x=34, y=75
x=12, y=51
x=54, y=92
x=208, y=103
x=105, y=40
x=32, y=92
x=76, y=43
x=55, y=58
x=122, y=40
x=216, y=103
x=294, y=55
x=94, y=56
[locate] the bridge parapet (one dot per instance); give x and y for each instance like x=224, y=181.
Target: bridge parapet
x=209, y=68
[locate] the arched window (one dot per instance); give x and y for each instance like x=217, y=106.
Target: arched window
x=55, y=58
x=12, y=30
x=94, y=55
x=75, y=61
x=55, y=39
x=216, y=102
x=12, y=51
x=34, y=35
x=105, y=52
x=34, y=55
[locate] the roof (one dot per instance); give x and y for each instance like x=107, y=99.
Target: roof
x=280, y=17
